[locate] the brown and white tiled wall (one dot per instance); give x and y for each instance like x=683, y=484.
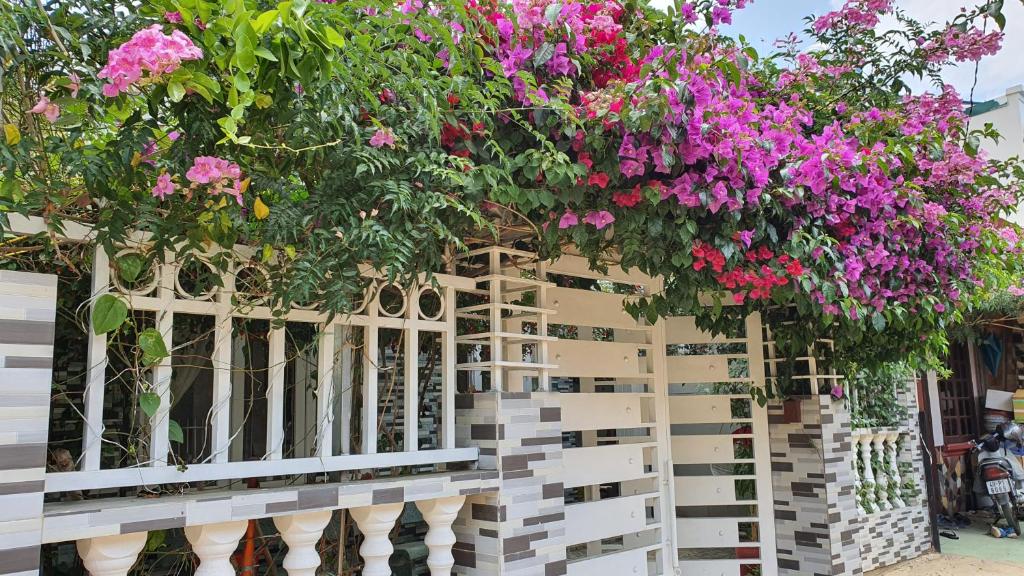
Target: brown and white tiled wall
x=27, y=313
x=517, y=530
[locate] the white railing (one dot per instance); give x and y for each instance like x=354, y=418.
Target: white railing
x=878, y=478
x=165, y=294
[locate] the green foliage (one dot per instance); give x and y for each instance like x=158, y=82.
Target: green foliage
x=877, y=390
x=108, y=314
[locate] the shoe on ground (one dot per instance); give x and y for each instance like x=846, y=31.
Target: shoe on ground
x=996, y=532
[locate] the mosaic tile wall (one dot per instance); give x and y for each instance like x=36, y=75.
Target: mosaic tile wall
x=816, y=517
x=818, y=527
x=898, y=535
x=27, y=316
x=519, y=530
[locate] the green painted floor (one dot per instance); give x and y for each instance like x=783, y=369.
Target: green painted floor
x=976, y=543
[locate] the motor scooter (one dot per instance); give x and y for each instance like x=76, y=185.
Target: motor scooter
x=999, y=476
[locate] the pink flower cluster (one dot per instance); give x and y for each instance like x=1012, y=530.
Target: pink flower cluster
x=962, y=46
x=220, y=176
x=854, y=15
x=148, y=55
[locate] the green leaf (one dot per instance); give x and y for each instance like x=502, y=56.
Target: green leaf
x=174, y=432
x=543, y=54
x=130, y=266
x=552, y=12
x=334, y=37
x=153, y=347
x=108, y=314
x=175, y=91
x=149, y=402
x=264, y=21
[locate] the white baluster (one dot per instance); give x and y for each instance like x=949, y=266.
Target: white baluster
x=111, y=555
x=214, y=543
x=439, y=515
x=881, y=474
x=869, y=475
x=857, y=438
x=375, y=522
x=301, y=532
x=894, y=470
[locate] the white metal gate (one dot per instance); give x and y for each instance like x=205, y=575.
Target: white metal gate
x=720, y=451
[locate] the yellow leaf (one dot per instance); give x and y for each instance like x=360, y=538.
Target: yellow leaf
x=260, y=209
x=223, y=202
x=12, y=134
x=136, y=159
x=244, y=186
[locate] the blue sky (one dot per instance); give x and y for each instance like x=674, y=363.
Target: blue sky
x=763, y=21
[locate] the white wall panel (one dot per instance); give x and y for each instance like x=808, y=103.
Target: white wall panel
x=600, y=411
x=589, y=359
x=601, y=464
x=589, y=521
x=626, y=563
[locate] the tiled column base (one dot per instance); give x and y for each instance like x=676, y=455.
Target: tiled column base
x=517, y=531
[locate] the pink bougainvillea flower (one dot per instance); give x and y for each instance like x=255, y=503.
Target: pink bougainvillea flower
x=599, y=179
x=838, y=392
x=173, y=17
x=599, y=218
x=568, y=220
x=1016, y=290
x=164, y=186
x=48, y=109
x=383, y=137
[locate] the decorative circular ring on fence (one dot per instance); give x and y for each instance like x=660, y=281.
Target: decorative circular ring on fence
x=252, y=286
x=431, y=303
x=391, y=300
x=131, y=262
x=196, y=279
x=359, y=305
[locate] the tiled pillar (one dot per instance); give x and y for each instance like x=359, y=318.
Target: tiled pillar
x=27, y=311
x=816, y=517
x=519, y=530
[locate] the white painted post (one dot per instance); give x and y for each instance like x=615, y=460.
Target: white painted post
x=213, y=544
x=449, y=382
x=439, y=515
x=275, y=394
x=411, y=372
x=345, y=430
x=375, y=522
x=544, y=378
x=220, y=424
x=93, y=434
x=325, y=392
x=301, y=532
x=497, y=353
x=371, y=343
x=160, y=443
x=111, y=555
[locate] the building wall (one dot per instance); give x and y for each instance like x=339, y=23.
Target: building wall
x=1008, y=118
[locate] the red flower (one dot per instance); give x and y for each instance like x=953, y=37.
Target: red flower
x=386, y=96
x=699, y=265
x=739, y=297
x=795, y=268
x=628, y=199
x=599, y=179
x=453, y=99
x=584, y=158
x=616, y=106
